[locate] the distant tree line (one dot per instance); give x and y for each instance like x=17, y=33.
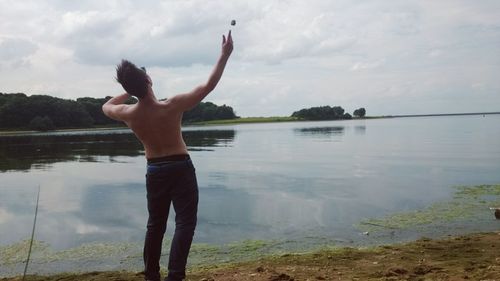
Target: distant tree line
x=322, y=113
x=327, y=113
x=206, y=111
x=43, y=112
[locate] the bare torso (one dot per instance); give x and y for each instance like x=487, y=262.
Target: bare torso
x=157, y=124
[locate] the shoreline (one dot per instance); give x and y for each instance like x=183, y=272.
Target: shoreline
x=244, y=120
x=472, y=256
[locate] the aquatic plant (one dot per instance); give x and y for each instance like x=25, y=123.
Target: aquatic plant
x=467, y=202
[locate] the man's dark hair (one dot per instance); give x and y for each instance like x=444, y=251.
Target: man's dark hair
x=133, y=79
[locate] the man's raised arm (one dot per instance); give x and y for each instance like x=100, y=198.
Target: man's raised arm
x=114, y=107
x=189, y=100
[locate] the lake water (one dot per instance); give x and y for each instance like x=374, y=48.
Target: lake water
x=308, y=183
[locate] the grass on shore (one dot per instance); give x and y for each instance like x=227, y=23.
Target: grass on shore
x=245, y=120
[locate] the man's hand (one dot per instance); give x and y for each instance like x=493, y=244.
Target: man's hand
x=227, y=45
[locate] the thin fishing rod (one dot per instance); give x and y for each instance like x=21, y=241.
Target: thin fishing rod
x=32, y=234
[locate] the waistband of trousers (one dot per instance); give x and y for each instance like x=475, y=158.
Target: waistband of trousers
x=167, y=159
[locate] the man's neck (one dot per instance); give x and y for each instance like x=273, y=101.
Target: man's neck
x=149, y=98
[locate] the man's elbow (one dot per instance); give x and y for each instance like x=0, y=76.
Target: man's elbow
x=105, y=109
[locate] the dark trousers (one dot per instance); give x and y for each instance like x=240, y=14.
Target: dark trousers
x=170, y=182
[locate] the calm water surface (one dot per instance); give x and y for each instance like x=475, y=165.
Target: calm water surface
x=257, y=181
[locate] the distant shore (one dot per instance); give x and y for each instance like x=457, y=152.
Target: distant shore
x=245, y=120
x=248, y=120
x=440, y=114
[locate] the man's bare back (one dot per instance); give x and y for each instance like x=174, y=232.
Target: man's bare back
x=157, y=124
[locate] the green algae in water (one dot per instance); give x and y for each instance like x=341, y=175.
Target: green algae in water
x=246, y=246
x=467, y=202
x=478, y=192
x=42, y=252
x=131, y=253
x=92, y=251
x=236, y=251
x=204, y=248
x=18, y=252
x=202, y=252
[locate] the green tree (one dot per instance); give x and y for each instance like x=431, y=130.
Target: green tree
x=41, y=124
x=14, y=113
x=70, y=113
x=360, y=112
x=94, y=108
x=224, y=112
x=206, y=111
x=320, y=113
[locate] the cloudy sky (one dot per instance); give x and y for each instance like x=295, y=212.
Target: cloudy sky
x=391, y=57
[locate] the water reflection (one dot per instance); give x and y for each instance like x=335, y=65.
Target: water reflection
x=74, y=212
x=25, y=152
x=210, y=138
x=107, y=210
x=360, y=130
x=320, y=132
x=39, y=151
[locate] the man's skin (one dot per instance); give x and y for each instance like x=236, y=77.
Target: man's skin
x=157, y=124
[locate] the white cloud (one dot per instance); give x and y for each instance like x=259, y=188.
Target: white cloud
x=83, y=228
x=289, y=54
x=15, y=48
x=5, y=216
x=366, y=65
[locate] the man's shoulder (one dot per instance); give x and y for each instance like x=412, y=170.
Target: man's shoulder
x=169, y=105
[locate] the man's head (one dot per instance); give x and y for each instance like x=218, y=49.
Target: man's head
x=133, y=79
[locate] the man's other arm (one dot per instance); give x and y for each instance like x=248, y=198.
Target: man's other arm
x=189, y=100
x=114, y=108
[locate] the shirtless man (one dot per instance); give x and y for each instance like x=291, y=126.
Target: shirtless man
x=170, y=176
